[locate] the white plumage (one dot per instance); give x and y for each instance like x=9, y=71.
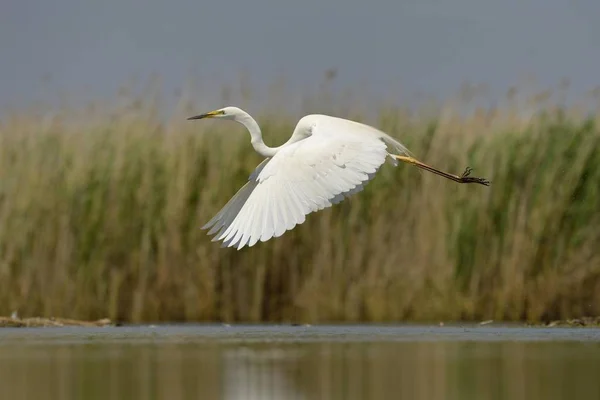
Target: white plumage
x=325, y=160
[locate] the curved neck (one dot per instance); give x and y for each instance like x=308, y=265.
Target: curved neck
x=256, y=135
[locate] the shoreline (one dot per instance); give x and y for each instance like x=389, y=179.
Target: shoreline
x=41, y=322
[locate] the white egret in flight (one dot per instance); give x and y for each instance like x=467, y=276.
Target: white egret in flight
x=325, y=160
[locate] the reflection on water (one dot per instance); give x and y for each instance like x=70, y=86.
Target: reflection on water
x=300, y=370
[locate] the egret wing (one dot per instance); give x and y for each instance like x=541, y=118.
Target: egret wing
x=334, y=160
x=228, y=213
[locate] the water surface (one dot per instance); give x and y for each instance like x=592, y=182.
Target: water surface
x=300, y=362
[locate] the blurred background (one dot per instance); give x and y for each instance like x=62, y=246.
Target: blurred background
x=104, y=186
x=390, y=49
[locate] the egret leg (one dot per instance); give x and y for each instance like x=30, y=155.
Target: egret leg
x=464, y=178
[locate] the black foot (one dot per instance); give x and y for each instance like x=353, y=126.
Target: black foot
x=465, y=178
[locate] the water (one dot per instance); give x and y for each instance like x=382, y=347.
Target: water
x=284, y=362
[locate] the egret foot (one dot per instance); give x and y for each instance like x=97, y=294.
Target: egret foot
x=464, y=178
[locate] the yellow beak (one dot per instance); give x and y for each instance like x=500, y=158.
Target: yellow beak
x=207, y=115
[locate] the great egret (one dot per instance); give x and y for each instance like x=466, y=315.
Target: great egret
x=325, y=160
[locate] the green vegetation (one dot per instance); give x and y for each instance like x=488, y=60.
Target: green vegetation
x=101, y=217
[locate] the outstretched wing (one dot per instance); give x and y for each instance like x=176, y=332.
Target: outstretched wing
x=335, y=161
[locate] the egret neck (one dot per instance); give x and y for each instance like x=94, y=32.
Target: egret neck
x=256, y=135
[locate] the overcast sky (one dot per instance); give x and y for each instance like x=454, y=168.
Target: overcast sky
x=90, y=48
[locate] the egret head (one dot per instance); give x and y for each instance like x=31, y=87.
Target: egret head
x=225, y=113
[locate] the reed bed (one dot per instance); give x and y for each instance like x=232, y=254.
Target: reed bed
x=100, y=217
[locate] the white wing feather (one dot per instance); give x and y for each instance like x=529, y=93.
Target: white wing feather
x=333, y=159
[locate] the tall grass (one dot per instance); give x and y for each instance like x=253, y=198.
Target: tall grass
x=101, y=217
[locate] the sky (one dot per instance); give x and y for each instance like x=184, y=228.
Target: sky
x=88, y=49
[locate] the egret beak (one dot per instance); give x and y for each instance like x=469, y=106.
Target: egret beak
x=207, y=115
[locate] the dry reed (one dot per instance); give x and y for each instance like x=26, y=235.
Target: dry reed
x=100, y=218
